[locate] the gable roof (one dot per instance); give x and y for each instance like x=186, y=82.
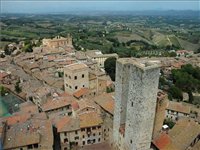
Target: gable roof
x=106, y=101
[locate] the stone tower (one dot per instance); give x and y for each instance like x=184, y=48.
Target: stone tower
x=135, y=103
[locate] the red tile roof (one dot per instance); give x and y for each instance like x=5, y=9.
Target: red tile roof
x=106, y=101
x=17, y=119
x=81, y=92
x=75, y=105
x=90, y=119
x=162, y=141
x=67, y=124
x=57, y=103
x=3, y=75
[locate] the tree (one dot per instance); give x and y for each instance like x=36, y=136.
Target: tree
x=28, y=48
x=169, y=122
x=110, y=66
x=17, y=87
x=176, y=93
x=172, y=54
x=7, y=50
x=3, y=91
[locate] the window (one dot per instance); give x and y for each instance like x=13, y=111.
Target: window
x=65, y=148
x=65, y=133
x=93, y=134
x=99, y=133
x=75, y=77
x=83, y=85
x=76, y=132
x=66, y=75
x=93, y=128
x=76, y=87
x=88, y=141
x=30, y=146
x=70, y=87
x=132, y=104
x=99, y=127
x=76, y=138
x=69, y=77
x=83, y=129
x=82, y=75
x=83, y=136
x=99, y=139
x=35, y=145
x=83, y=142
x=94, y=141
x=131, y=141
x=65, y=140
x=66, y=85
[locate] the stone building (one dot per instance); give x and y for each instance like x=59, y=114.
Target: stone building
x=161, y=105
x=100, y=58
x=26, y=131
x=106, y=102
x=58, y=42
x=59, y=104
x=82, y=81
x=76, y=76
x=135, y=103
x=185, y=135
x=84, y=129
x=176, y=110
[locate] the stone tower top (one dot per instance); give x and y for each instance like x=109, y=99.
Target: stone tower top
x=143, y=64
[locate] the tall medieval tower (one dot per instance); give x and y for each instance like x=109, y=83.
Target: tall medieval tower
x=135, y=103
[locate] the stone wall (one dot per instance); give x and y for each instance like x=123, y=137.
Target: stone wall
x=136, y=94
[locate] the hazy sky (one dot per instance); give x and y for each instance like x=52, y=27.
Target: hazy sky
x=50, y=6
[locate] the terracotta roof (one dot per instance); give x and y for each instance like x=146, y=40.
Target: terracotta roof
x=184, y=132
x=178, y=107
x=162, y=141
x=18, y=137
x=90, y=119
x=106, y=101
x=32, y=131
x=20, y=118
x=57, y=103
x=67, y=124
x=28, y=107
x=76, y=66
x=81, y=92
x=196, y=146
x=3, y=75
x=87, y=103
x=75, y=105
x=64, y=94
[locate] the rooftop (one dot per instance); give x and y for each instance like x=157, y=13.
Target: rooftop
x=178, y=107
x=28, y=107
x=90, y=119
x=32, y=131
x=106, y=101
x=143, y=64
x=184, y=132
x=57, y=103
x=76, y=66
x=67, y=124
x=81, y=92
